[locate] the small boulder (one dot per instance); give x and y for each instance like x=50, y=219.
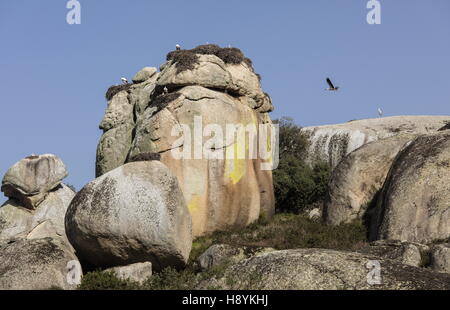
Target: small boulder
x=29, y=180
x=37, y=264
x=408, y=253
x=134, y=213
x=139, y=272
x=144, y=74
x=440, y=258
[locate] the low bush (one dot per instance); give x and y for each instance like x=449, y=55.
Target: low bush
x=297, y=185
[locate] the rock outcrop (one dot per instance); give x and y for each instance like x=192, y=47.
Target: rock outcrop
x=358, y=178
x=134, y=213
x=213, y=88
x=47, y=220
x=319, y=269
x=331, y=143
x=414, y=204
x=29, y=180
x=38, y=199
x=36, y=264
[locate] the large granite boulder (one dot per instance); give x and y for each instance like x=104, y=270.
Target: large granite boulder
x=320, y=269
x=214, y=88
x=134, y=213
x=37, y=264
x=331, y=143
x=29, y=180
x=415, y=199
x=358, y=178
x=46, y=220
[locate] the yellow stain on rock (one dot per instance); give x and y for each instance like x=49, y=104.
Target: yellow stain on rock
x=194, y=203
x=235, y=168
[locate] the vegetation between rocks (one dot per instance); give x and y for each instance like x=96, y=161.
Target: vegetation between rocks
x=285, y=231
x=297, y=185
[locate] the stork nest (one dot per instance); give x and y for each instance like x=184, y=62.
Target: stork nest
x=115, y=89
x=187, y=59
x=163, y=100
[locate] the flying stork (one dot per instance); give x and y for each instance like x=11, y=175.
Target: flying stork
x=332, y=87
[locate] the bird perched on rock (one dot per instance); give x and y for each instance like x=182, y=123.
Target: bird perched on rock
x=380, y=112
x=165, y=90
x=332, y=87
x=124, y=80
x=178, y=47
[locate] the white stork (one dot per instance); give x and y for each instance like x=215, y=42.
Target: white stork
x=331, y=86
x=380, y=112
x=124, y=80
x=178, y=47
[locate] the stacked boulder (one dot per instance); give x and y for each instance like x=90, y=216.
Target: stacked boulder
x=216, y=88
x=34, y=251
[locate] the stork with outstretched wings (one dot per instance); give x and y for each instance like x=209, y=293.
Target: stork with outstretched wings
x=332, y=87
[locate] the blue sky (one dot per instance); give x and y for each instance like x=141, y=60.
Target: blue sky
x=54, y=75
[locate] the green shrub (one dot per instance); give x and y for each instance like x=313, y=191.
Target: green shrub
x=296, y=184
x=100, y=280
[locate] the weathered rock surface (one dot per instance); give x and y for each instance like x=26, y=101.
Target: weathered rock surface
x=221, y=193
x=440, y=257
x=36, y=264
x=359, y=177
x=29, y=180
x=145, y=74
x=135, y=213
x=139, y=272
x=47, y=220
x=117, y=125
x=319, y=269
x=408, y=253
x=330, y=143
x=220, y=254
x=414, y=204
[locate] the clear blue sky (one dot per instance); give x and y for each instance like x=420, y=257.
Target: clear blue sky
x=54, y=75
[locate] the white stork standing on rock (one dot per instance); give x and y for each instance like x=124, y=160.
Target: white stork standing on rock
x=124, y=80
x=380, y=112
x=178, y=47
